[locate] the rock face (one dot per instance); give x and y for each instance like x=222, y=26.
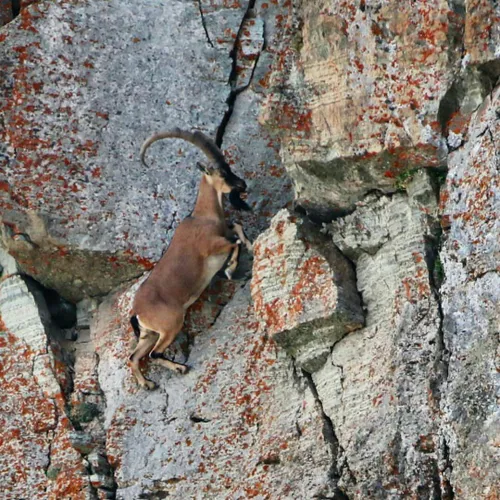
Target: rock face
x=75, y=109
x=361, y=359
x=303, y=290
x=369, y=87
x=379, y=386
x=243, y=423
x=37, y=458
x=471, y=306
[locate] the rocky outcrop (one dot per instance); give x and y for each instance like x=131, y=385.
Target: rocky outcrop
x=37, y=456
x=380, y=384
x=242, y=423
x=303, y=290
x=372, y=91
x=471, y=298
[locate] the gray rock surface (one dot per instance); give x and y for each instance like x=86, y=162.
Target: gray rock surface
x=380, y=386
x=37, y=459
x=471, y=306
x=242, y=423
x=366, y=106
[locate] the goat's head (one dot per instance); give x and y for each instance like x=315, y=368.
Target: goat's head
x=219, y=173
x=224, y=181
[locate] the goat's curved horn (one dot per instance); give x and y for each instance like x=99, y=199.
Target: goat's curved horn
x=197, y=138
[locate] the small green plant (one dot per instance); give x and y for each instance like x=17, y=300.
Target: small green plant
x=438, y=272
x=297, y=42
x=404, y=179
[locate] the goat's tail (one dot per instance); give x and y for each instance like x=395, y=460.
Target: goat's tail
x=135, y=325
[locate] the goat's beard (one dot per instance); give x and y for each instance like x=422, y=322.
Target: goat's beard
x=237, y=202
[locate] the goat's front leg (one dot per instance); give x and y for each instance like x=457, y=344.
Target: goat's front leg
x=232, y=263
x=221, y=244
x=238, y=229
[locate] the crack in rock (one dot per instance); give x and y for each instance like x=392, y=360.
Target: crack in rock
x=204, y=24
x=330, y=436
x=233, y=77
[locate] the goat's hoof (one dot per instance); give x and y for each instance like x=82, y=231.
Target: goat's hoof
x=182, y=369
x=150, y=385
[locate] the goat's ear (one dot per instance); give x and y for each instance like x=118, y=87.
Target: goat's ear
x=237, y=202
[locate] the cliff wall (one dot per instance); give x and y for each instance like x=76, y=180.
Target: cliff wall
x=357, y=355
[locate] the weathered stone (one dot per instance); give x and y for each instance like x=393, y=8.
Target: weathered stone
x=8, y=264
x=84, y=310
x=471, y=298
x=379, y=386
x=6, y=12
x=101, y=481
x=81, y=442
x=367, y=81
x=99, y=463
x=361, y=94
x=482, y=31
x=241, y=423
x=35, y=431
x=303, y=289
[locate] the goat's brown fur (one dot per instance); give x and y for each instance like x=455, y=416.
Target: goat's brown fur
x=200, y=247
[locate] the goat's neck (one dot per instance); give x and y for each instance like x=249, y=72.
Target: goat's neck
x=209, y=202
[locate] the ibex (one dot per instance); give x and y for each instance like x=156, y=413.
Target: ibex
x=202, y=244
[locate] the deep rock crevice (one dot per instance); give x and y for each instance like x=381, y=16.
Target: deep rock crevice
x=331, y=438
x=233, y=78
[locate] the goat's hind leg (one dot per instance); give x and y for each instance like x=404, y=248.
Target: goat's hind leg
x=166, y=338
x=158, y=358
x=147, y=340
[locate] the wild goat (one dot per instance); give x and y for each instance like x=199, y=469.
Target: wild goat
x=202, y=244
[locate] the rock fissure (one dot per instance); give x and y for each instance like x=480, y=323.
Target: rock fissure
x=104, y=447
x=204, y=24
x=46, y=468
x=330, y=436
x=444, y=469
x=233, y=78
x=446, y=487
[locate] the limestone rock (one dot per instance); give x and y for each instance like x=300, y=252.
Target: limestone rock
x=303, y=289
x=241, y=423
x=367, y=91
x=8, y=264
x=36, y=456
x=471, y=298
x=368, y=80
x=482, y=31
x=379, y=386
